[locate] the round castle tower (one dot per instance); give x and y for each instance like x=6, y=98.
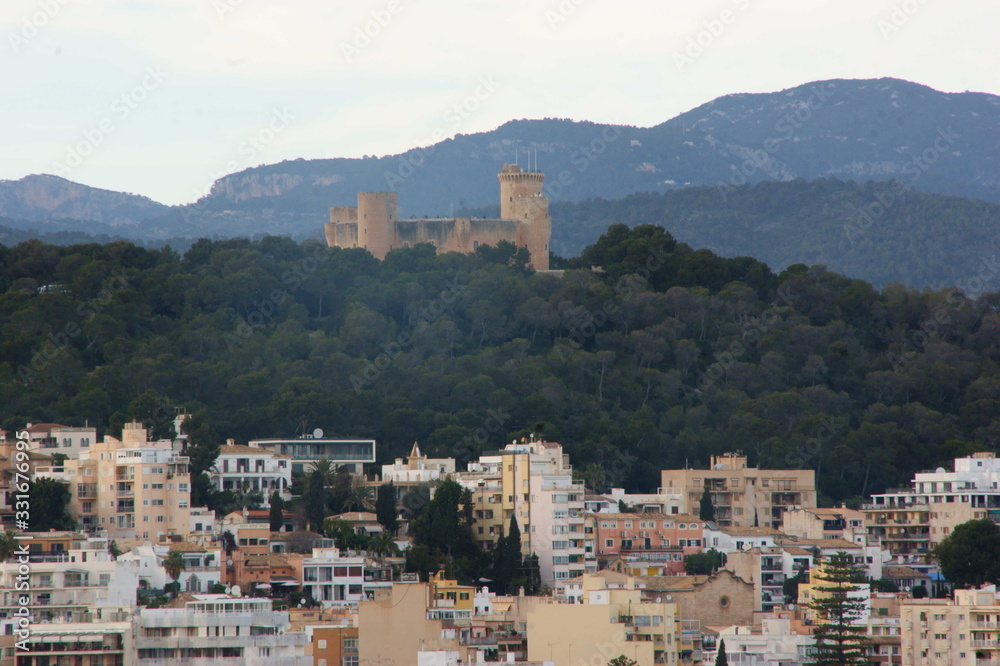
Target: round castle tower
x=377, y=215
x=522, y=200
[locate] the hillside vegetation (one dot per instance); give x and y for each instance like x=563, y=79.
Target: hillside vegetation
x=665, y=356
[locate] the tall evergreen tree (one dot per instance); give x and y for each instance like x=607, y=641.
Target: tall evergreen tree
x=385, y=507
x=276, y=515
x=706, y=510
x=839, y=636
x=721, y=659
x=315, y=498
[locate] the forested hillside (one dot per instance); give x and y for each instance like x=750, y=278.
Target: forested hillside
x=877, y=231
x=663, y=357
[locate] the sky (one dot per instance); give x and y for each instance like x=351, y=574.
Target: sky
x=161, y=97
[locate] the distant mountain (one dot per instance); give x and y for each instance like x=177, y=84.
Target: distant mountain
x=44, y=198
x=850, y=129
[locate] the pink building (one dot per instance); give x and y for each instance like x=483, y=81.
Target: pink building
x=648, y=537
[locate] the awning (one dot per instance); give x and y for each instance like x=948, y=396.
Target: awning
x=265, y=586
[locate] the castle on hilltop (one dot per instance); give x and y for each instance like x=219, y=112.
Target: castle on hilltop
x=374, y=223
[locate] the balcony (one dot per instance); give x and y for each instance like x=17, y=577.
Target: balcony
x=985, y=626
x=988, y=644
x=478, y=641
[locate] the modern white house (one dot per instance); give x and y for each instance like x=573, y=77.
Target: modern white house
x=252, y=469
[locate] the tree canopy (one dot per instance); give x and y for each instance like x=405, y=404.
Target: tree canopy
x=970, y=555
x=664, y=355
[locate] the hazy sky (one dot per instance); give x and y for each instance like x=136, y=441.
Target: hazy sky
x=159, y=97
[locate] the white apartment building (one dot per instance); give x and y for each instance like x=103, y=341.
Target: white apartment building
x=414, y=470
x=911, y=521
x=252, y=469
x=533, y=481
x=71, y=579
x=333, y=579
x=218, y=630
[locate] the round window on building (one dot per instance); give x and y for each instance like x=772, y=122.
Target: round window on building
x=723, y=601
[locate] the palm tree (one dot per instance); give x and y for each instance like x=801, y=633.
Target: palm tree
x=326, y=469
x=361, y=496
x=174, y=564
x=8, y=545
x=383, y=543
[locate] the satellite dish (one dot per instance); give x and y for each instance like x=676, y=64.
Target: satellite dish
x=318, y=433
x=228, y=589
x=237, y=592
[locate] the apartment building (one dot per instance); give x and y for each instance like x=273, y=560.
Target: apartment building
x=649, y=537
x=945, y=632
x=780, y=638
x=767, y=568
x=131, y=489
x=87, y=643
x=742, y=496
x=911, y=521
x=333, y=579
x=533, y=481
x=219, y=629
x=252, y=470
x=606, y=617
x=837, y=523
x=71, y=578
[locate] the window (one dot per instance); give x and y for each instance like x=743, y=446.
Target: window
x=350, y=644
x=161, y=519
x=560, y=545
x=609, y=543
x=350, y=660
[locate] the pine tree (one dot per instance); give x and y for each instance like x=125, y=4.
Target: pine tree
x=839, y=639
x=721, y=659
x=276, y=516
x=706, y=510
x=385, y=507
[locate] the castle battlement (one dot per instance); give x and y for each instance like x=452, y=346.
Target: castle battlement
x=524, y=220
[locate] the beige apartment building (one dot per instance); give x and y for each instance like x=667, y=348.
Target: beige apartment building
x=131, y=489
x=533, y=481
x=944, y=632
x=607, y=617
x=742, y=496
